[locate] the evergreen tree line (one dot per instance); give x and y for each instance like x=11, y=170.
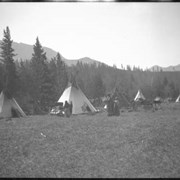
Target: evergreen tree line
x=99, y=80
x=37, y=83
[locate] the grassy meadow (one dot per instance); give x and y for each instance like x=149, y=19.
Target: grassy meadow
x=135, y=144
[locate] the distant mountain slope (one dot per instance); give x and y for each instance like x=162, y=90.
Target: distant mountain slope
x=84, y=60
x=169, y=68
x=172, y=68
x=24, y=52
x=155, y=68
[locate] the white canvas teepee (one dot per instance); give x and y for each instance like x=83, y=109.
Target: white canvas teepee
x=79, y=101
x=139, y=96
x=8, y=105
x=178, y=99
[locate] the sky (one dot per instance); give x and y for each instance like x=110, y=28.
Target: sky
x=140, y=34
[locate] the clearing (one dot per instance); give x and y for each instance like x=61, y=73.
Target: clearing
x=135, y=144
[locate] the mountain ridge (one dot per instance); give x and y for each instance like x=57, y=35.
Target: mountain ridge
x=24, y=52
x=168, y=68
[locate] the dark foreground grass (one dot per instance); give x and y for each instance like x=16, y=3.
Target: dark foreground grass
x=135, y=144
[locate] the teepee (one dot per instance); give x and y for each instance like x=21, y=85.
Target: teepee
x=178, y=99
x=79, y=101
x=9, y=107
x=139, y=96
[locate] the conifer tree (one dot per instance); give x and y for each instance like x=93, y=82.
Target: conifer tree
x=58, y=75
x=42, y=84
x=7, y=55
x=62, y=76
x=1, y=77
x=99, y=88
x=53, y=76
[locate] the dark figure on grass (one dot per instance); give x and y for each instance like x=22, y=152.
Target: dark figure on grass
x=14, y=113
x=110, y=105
x=116, y=111
x=71, y=107
x=113, y=106
x=157, y=103
x=67, y=109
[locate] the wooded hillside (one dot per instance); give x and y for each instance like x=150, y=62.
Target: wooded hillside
x=37, y=83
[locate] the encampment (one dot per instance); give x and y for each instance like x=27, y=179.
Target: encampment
x=80, y=103
x=9, y=107
x=139, y=96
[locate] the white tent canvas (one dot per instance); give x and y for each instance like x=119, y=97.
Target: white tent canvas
x=157, y=98
x=6, y=106
x=80, y=102
x=178, y=99
x=139, y=96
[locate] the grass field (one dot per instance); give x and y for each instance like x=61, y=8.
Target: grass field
x=135, y=144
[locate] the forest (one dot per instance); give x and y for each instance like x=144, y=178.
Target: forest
x=37, y=83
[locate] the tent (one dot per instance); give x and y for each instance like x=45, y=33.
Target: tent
x=139, y=96
x=178, y=99
x=79, y=101
x=9, y=107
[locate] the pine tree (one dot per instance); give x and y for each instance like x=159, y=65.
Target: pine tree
x=53, y=76
x=99, y=88
x=1, y=77
x=7, y=54
x=46, y=100
x=62, y=76
x=165, y=81
x=172, y=89
x=42, y=84
x=128, y=67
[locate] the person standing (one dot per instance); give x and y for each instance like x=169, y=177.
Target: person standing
x=116, y=107
x=71, y=107
x=67, y=109
x=110, y=105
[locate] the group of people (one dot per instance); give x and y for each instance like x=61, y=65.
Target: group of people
x=113, y=106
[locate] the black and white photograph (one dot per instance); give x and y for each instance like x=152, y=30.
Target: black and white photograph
x=89, y=89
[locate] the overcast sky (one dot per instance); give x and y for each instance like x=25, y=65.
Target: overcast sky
x=140, y=34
